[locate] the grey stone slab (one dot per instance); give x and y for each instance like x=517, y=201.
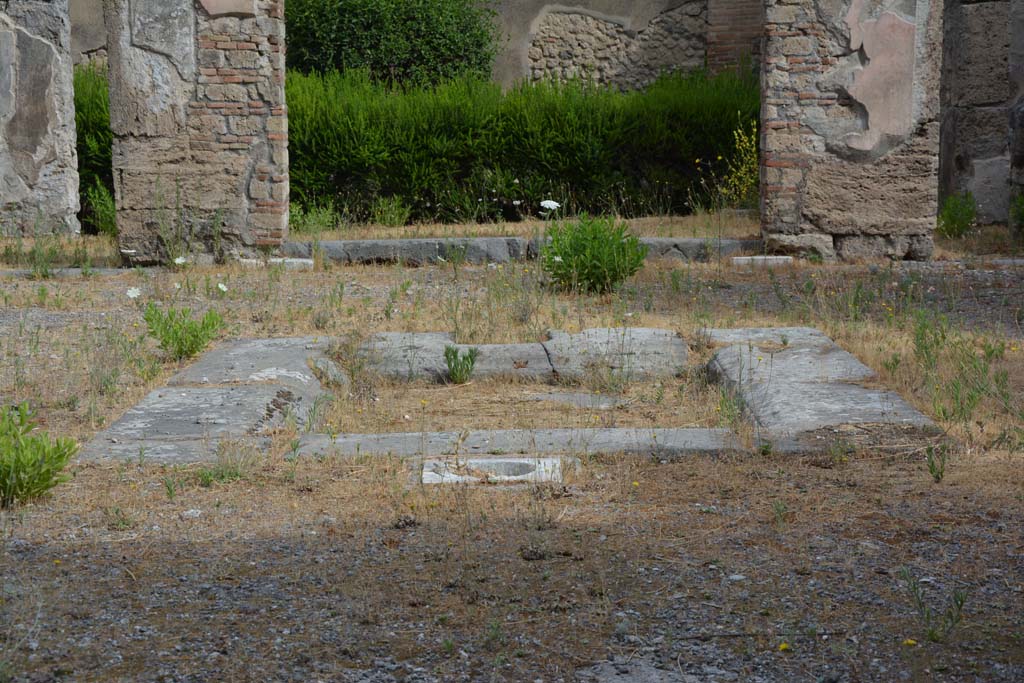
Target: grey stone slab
x=778, y=336
x=179, y=419
x=635, y=352
x=808, y=387
x=414, y=251
x=1008, y=262
x=289, y=264
x=284, y=361
x=411, y=355
x=793, y=408
x=698, y=249
x=581, y=399
x=665, y=443
x=494, y=470
x=762, y=261
x=742, y=365
x=297, y=249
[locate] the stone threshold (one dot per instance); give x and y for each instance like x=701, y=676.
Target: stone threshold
x=477, y=250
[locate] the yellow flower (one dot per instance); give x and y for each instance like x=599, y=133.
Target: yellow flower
x=784, y=647
x=636, y=483
x=423, y=403
x=910, y=642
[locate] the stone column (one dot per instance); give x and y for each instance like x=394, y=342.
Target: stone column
x=850, y=128
x=200, y=126
x=977, y=98
x=38, y=161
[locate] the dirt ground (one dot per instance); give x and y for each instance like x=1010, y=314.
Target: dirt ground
x=751, y=567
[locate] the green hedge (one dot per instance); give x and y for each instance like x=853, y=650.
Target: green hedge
x=95, y=140
x=464, y=150
x=408, y=41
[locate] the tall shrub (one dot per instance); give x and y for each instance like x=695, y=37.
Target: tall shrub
x=406, y=41
x=464, y=150
x=95, y=144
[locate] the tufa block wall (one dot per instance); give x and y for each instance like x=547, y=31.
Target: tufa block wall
x=200, y=126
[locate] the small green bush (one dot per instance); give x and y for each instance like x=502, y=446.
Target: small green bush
x=95, y=148
x=592, y=254
x=957, y=216
x=404, y=41
x=178, y=334
x=30, y=464
x=460, y=366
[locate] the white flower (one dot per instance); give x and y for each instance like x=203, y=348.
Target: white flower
x=180, y=261
x=556, y=259
x=134, y=293
x=222, y=287
x=177, y=285
x=516, y=202
x=550, y=205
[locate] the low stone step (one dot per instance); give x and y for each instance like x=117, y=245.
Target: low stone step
x=663, y=443
x=419, y=251
x=807, y=385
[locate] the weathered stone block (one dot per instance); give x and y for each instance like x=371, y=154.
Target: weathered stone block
x=38, y=161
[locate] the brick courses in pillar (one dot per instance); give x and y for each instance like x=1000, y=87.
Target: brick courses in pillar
x=849, y=128
x=200, y=125
x=38, y=161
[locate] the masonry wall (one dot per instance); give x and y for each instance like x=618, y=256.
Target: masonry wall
x=982, y=83
x=573, y=43
x=38, y=162
x=850, y=128
x=200, y=126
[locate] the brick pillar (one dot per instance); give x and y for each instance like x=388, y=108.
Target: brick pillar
x=850, y=129
x=38, y=161
x=200, y=126
x=735, y=29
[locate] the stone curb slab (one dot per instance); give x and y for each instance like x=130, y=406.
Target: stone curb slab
x=777, y=336
x=666, y=443
x=412, y=355
x=422, y=251
x=805, y=386
x=631, y=352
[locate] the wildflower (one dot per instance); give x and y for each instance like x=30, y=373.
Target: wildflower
x=910, y=642
x=222, y=287
x=784, y=647
x=556, y=259
x=516, y=202
x=133, y=293
x=550, y=205
x=177, y=285
x=636, y=483
x=180, y=261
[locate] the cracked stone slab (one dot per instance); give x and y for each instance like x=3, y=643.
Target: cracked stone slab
x=235, y=391
x=665, y=443
x=186, y=423
x=282, y=361
x=632, y=351
x=807, y=387
x=697, y=249
x=777, y=336
x=744, y=365
x=412, y=355
x=495, y=470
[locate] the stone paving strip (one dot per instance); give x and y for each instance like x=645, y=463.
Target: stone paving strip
x=235, y=392
x=423, y=251
x=793, y=383
x=666, y=444
x=797, y=380
x=630, y=352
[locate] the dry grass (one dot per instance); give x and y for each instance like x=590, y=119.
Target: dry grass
x=984, y=240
